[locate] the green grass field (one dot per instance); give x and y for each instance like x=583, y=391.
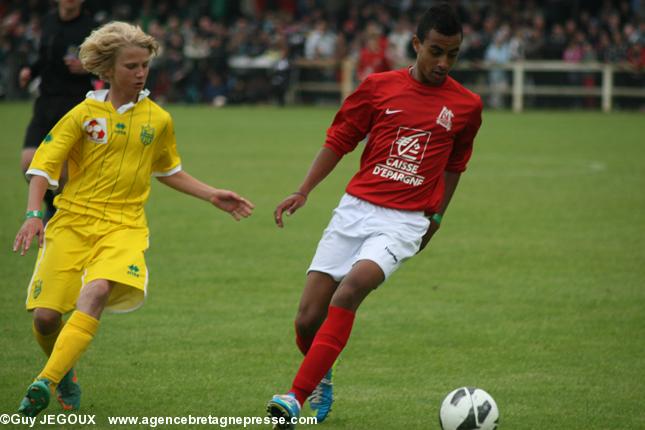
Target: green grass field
x=533, y=290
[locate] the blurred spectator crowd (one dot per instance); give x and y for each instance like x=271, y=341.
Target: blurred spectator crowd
x=229, y=51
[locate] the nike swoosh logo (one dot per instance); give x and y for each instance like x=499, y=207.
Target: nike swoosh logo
x=389, y=111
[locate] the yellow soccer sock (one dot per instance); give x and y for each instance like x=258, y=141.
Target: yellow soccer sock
x=47, y=341
x=72, y=342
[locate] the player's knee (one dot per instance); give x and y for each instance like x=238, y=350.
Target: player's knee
x=94, y=297
x=359, y=285
x=352, y=292
x=348, y=298
x=308, y=322
x=98, y=289
x=46, y=321
x=365, y=276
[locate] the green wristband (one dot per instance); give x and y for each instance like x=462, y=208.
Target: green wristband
x=436, y=217
x=34, y=214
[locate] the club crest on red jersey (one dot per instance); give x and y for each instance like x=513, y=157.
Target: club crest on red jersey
x=445, y=118
x=96, y=130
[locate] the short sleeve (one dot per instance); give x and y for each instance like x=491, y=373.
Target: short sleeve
x=166, y=161
x=52, y=153
x=353, y=121
x=463, y=146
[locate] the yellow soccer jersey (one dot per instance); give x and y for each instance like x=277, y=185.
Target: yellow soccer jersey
x=111, y=155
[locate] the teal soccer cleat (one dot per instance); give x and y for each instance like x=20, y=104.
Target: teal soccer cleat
x=322, y=397
x=284, y=406
x=36, y=399
x=68, y=392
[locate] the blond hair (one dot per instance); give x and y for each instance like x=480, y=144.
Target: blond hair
x=99, y=50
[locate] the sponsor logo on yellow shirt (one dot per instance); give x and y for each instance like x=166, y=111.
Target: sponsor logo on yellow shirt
x=96, y=130
x=120, y=128
x=133, y=270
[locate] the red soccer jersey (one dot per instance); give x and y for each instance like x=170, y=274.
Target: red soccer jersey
x=416, y=132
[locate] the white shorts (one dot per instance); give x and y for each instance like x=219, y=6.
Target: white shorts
x=360, y=230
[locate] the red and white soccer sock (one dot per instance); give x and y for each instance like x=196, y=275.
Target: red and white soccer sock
x=325, y=349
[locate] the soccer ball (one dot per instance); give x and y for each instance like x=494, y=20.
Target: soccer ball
x=468, y=408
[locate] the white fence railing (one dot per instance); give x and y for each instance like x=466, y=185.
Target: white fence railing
x=518, y=89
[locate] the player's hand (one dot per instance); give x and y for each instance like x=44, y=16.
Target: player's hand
x=432, y=229
x=292, y=203
x=30, y=228
x=230, y=202
x=24, y=77
x=74, y=65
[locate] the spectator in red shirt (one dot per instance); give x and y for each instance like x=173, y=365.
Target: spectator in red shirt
x=373, y=57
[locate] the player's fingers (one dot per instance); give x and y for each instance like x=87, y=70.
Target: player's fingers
x=29, y=239
x=235, y=196
x=295, y=205
x=245, y=211
x=277, y=215
x=247, y=203
x=235, y=215
x=26, y=243
x=21, y=243
x=17, y=241
x=244, y=206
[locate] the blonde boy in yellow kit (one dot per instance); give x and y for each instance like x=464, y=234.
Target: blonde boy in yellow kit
x=91, y=255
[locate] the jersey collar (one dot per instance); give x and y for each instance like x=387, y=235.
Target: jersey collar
x=101, y=96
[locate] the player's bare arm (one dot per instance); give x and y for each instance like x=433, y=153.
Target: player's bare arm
x=322, y=165
x=33, y=226
x=226, y=200
x=451, y=180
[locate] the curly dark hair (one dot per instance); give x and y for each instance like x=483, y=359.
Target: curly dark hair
x=442, y=18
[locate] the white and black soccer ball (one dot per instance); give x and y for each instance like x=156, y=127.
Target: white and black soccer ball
x=468, y=408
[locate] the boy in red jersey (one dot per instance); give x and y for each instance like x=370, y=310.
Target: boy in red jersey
x=421, y=126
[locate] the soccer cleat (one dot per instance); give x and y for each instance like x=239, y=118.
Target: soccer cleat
x=284, y=406
x=36, y=399
x=68, y=392
x=322, y=397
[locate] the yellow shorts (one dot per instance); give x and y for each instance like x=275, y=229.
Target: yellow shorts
x=79, y=249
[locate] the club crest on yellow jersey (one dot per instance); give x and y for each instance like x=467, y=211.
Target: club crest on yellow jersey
x=147, y=134
x=38, y=287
